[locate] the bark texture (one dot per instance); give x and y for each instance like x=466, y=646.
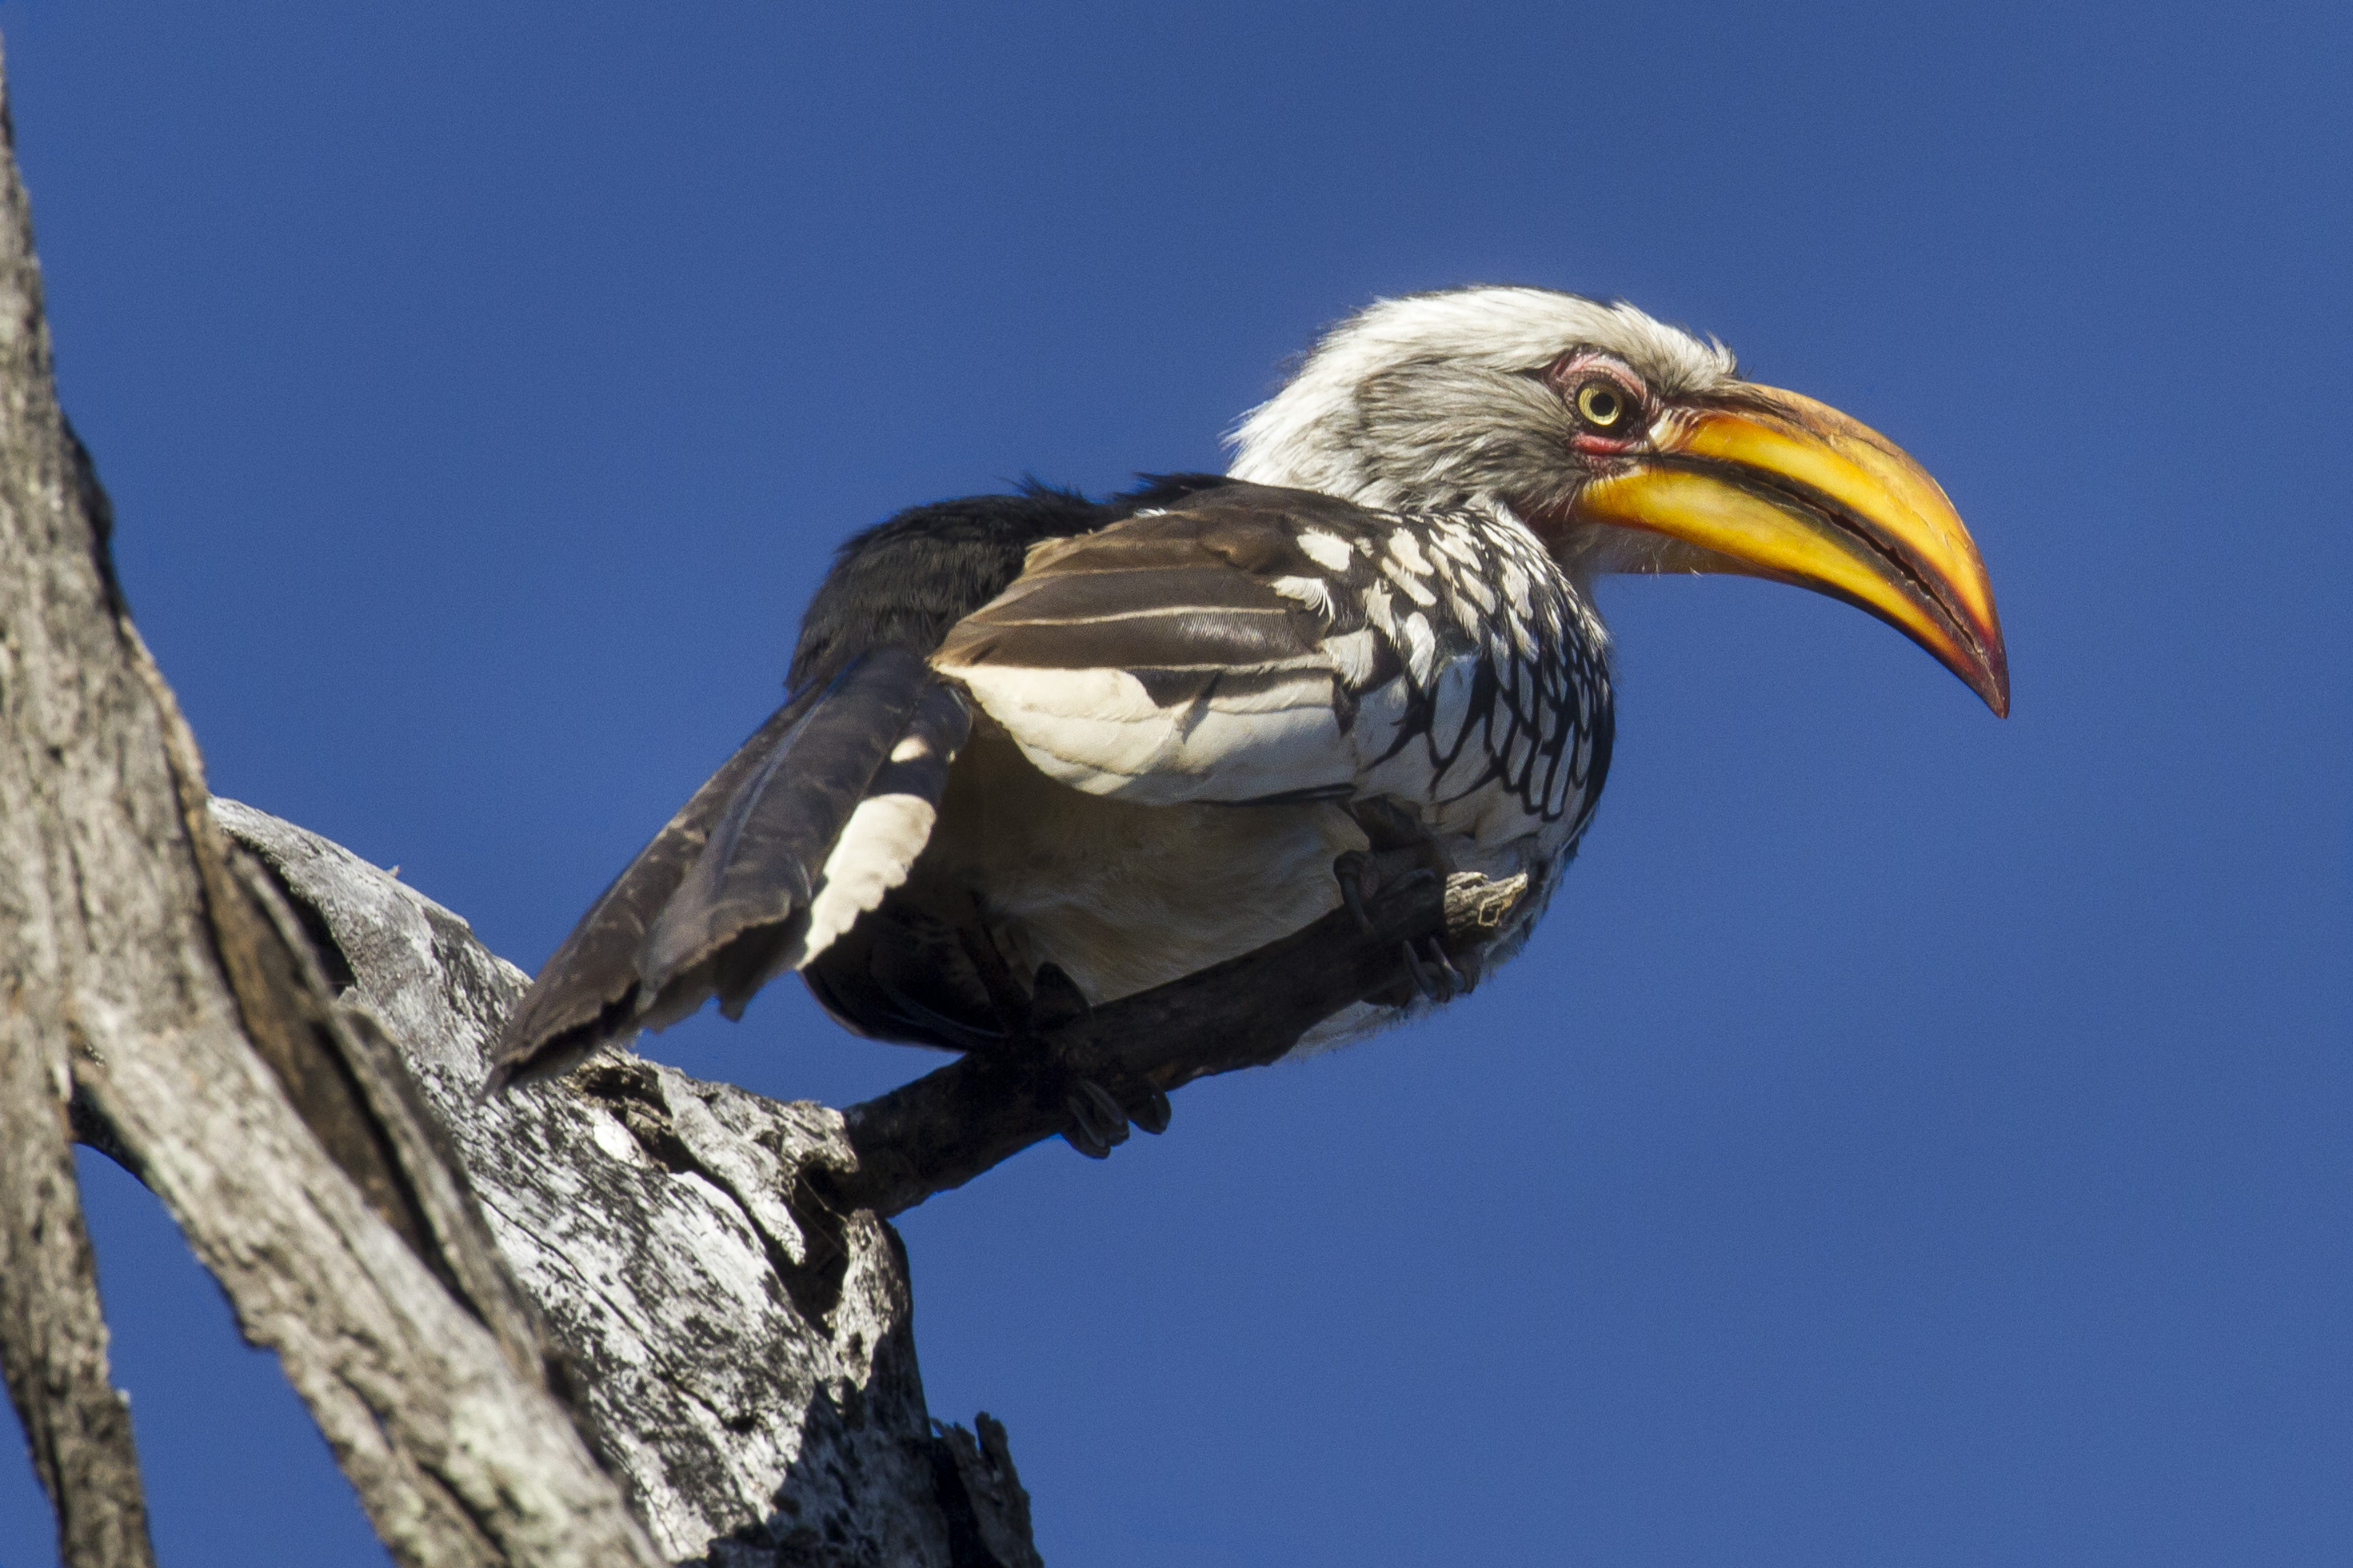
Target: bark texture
x=741, y=1347
x=52, y=1333
x=142, y=955
x=57, y=609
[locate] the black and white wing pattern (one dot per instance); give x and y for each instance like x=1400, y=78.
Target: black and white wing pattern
x=821, y=812
x=1196, y=645
x=1258, y=644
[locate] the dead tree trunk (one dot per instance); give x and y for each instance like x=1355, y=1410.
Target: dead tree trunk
x=155, y=984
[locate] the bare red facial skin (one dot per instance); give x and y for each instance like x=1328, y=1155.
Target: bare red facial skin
x=1572, y=371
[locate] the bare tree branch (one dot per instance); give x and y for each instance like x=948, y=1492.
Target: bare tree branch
x=943, y=1129
x=741, y=1326
x=52, y=1333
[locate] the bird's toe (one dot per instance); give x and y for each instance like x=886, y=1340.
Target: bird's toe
x=1152, y=1113
x=1432, y=973
x=1098, y=1124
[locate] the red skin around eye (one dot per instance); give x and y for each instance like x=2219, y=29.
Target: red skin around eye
x=1573, y=370
x=1601, y=446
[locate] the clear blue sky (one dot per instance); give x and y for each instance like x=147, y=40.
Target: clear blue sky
x=1912, y=1139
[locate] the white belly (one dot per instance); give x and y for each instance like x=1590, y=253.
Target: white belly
x=1125, y=897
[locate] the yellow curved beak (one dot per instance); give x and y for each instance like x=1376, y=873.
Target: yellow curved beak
x=1779, y=486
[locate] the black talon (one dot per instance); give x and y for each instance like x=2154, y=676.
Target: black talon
x=1112, y=1113
x=1449, y=979
x=1434, y=978
x=1097, y=1123
x=1152, y=1116
x=1423, y=985
x=1079, y=1137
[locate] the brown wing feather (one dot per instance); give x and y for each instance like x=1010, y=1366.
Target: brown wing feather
x=1179, y=655
x=586, y=993
x=1151, y=594
x=722, y=896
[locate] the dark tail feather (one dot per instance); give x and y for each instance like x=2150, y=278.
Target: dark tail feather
x=585, y=994
x=744, y=912
x=718, y=900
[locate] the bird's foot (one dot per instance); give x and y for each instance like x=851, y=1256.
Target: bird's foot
x=1099, y=1122
x=1024, y=1011
x=1432, y=972
x=1055, y=1000
x=1363, y=873
x=1397, y=841
x=1389, y=825
x=1151, y=1113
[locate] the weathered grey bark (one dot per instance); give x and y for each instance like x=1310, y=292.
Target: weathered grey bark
x=742, y=1348
x=52, y=1333
x=142, y=955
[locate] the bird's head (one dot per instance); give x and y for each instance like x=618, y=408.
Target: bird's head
x=1628, y=446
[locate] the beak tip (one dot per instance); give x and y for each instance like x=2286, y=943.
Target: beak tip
x=1990, y=680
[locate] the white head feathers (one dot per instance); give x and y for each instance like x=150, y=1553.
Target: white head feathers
x=1431, y=397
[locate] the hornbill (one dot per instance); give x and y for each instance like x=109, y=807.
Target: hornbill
x=1040, y=743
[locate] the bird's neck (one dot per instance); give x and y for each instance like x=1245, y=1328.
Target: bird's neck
x=1304, y=463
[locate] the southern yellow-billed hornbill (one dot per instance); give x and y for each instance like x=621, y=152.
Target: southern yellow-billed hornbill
x=1039, y=739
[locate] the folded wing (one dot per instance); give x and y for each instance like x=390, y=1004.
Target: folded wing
x=808, y=826
x=1215, y=653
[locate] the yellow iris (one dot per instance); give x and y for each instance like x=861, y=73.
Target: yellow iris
x=1601, y=404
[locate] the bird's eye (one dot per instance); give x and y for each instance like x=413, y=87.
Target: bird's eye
x=1602, y=405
